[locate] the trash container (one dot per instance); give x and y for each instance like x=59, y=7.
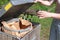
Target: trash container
x=12, y=10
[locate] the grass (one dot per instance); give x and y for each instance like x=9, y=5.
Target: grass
x=45, y=23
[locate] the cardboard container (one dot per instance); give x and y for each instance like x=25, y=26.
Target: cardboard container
x=32, y=35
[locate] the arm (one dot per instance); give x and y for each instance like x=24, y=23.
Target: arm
x=48, y=3
x=44, y=14
x=57, y=16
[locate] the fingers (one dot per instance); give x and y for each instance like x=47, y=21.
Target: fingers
x=35, y=1
x=41, y=17
x=41, y=14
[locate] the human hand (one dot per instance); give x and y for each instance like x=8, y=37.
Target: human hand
x=35, y=1
x=44, y=14
x=46, y=2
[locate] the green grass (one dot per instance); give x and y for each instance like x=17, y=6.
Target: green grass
x=2, y=2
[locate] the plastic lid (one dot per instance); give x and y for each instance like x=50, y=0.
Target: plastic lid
x=14, y=8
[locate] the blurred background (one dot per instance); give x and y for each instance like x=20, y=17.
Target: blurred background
x=45, y=23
